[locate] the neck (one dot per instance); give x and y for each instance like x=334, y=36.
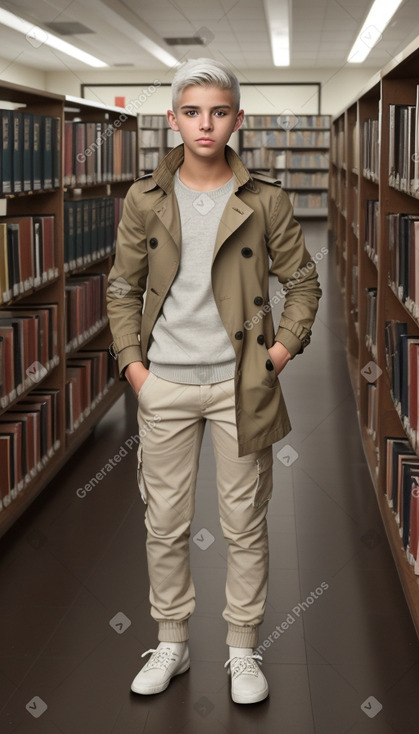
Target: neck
x=204, y=174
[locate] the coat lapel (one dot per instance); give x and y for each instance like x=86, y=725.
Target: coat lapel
x=235, y=213
x=167, y=211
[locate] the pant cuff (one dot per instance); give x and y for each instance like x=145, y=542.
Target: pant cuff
x=172, y=631
x=242, y=635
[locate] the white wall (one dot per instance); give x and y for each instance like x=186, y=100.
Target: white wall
x=338, y=88
x=15, y=73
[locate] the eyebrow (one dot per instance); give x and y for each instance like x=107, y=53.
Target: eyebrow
x=196, y=107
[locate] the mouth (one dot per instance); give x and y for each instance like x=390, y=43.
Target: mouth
x=205, y=140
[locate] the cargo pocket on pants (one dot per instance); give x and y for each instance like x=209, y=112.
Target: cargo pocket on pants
x=264, y=481
x=140, y=477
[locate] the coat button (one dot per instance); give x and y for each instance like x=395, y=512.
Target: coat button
x=247, y=252
x=258, y=301
x=238, y=335
x=154, y=242
x=269, y=366
x=261, y=339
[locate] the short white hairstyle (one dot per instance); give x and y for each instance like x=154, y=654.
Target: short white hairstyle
x=204, y=72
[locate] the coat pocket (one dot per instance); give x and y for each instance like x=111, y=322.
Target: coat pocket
x=264, y=481
x=140, y=476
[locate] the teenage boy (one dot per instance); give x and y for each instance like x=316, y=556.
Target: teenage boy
x=188, y=303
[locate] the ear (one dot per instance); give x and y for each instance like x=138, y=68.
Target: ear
x=171, y=119
x=239, y=120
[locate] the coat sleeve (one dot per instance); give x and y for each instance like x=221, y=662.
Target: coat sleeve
x=127, y=283
x=296, y=271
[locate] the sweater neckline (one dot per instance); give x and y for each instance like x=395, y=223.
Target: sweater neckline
x=212, y=193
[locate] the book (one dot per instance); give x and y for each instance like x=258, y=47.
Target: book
x=6, y=148
x=5, y=473
x=17, y=154
x=371, y=229
x=403, y=239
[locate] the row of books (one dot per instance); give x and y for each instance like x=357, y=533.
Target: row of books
x=149, y=160
x=30, y=152
x=308, y=201
x=371, y=149
x=261, y=158
x=153, y=121
x=371, y=229
x=371, y=321
x=288, y=122
x=286, y=138
x=27, y=254
x=151, y=138
x=402, y=493
x=90, y=229
x=402, y=355
x=28, y=348
x=337, y=149
x=85, y=307
x=89, y=376
x=98, y=152
x=403, y=241
x=29, y=437
x=304, y=180
x=404, y=147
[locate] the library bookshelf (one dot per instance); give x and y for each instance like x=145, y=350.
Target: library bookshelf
x=93, y=151
x=374, y=182
x=293, y=149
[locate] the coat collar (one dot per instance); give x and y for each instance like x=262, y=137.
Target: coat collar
x=164, y=173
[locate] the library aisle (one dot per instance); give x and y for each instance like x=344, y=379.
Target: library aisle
x=340, y=650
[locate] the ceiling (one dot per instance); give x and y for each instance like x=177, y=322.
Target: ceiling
x=234, y=31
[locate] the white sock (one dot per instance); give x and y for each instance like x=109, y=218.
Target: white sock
x=177, y=647
x=240, y=652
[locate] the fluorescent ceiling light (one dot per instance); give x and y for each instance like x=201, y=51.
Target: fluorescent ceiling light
x=377, y=20
x=37, y=37
x=158, y=52
x=278, y=16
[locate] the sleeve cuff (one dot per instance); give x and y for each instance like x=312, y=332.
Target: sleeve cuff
x=126, y=356
x=290, y=341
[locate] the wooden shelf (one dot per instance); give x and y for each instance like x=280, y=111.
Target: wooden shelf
x=51, y=202
x=350, y=190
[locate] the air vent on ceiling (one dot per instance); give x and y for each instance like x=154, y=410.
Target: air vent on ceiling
x=123, y=65
x=190, y=41
x=68, y=28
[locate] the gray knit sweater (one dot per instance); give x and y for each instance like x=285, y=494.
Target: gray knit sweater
x=189, y=342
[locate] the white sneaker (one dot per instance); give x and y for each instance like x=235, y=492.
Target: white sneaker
x=248, y=684
x=163, y=665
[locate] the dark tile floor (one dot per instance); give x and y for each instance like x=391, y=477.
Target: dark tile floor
x=74, y=612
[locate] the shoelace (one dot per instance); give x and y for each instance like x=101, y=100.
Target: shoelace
x=244, y=664
x=159, y=659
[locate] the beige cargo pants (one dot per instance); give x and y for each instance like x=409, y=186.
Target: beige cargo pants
x=171, y=418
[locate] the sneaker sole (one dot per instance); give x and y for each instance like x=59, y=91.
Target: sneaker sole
x=237, y=698
x=162, y=687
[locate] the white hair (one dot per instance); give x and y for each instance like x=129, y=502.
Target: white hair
x=204, y=72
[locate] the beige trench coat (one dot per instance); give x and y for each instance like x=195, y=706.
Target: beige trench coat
x=257, y=235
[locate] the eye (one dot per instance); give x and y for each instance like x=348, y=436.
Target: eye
x=191, y=113
x=220, y=113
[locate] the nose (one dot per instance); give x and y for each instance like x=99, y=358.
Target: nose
x=206, y=123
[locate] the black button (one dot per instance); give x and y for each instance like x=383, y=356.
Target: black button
x=261, y=339
x=154, y=242
x=269, y=365
x=247, y=252
x=238, y=335
x=258, y=301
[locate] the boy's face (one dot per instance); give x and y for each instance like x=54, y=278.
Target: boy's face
x=206, y=117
